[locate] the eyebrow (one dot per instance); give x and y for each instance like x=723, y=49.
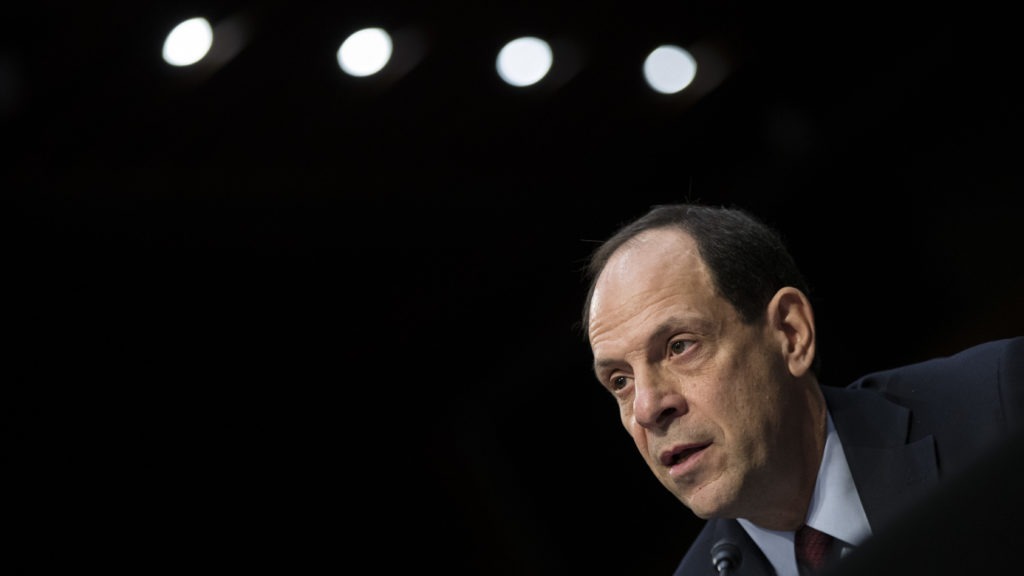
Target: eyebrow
x=600, y=365
x=665, y=328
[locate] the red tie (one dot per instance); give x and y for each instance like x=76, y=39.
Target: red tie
x=811, y=547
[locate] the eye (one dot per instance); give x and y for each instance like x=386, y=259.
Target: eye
x=677, y=347
x=619, y=382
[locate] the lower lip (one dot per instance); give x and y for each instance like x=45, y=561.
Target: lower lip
x=687, y=465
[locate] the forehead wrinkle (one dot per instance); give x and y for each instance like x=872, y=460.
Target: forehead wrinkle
x=636, y=303
x=641, y=282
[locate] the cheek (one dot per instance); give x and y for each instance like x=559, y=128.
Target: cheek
x=636, y=432
x=747, y=390
x=626, y=417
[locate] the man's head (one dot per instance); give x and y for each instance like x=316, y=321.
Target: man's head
x=701, y=329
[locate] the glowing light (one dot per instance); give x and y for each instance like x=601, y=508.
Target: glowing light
x=669, y=69
x=188, y=42
x=365, y=52
x=524, y=61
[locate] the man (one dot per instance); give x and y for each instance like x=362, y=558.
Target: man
x=701, y=328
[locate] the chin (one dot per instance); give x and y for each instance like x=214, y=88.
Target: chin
x=702, y=511
x=709, y=501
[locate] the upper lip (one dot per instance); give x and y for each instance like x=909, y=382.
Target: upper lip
x=677, y=453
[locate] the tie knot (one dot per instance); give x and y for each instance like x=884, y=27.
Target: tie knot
x=811, y=547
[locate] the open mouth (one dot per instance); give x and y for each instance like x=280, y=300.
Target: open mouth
x=681, y=453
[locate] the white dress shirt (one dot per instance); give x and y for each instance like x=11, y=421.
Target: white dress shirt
x=835, y=509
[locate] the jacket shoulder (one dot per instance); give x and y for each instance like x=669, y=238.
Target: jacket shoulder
x=982, y=377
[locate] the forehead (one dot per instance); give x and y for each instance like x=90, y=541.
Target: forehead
x=658, y=272
x=653, y=247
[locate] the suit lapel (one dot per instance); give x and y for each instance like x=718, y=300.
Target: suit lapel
x=888, y=471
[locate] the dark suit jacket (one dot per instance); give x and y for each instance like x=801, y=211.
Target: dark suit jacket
x=904, y=430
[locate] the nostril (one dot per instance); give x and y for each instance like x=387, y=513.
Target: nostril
x=669, y=413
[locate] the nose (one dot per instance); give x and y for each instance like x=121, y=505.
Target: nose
x=657, y=400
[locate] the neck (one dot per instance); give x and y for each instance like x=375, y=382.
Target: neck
x=800, y=474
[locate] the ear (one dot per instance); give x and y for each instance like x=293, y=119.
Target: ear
x=791, y=319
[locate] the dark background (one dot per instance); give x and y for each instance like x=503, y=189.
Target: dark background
x=270, y=317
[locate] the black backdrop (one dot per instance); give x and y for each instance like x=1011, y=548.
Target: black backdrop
x=273, y=317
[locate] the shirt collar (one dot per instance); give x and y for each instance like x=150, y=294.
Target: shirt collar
x=835, y=508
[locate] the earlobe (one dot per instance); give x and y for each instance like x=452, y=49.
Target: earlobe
x=790, y=314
